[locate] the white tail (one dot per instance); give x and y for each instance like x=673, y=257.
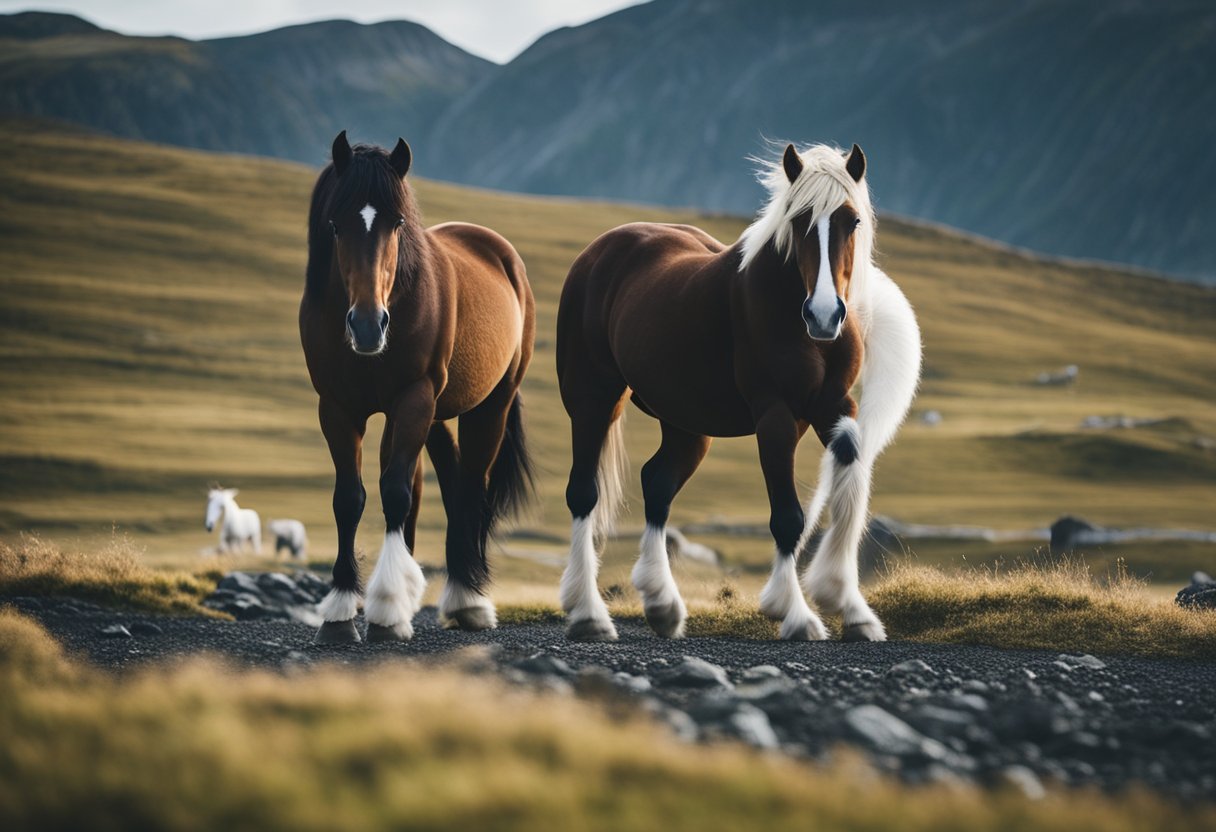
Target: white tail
x=890, y=373
x=610, y=480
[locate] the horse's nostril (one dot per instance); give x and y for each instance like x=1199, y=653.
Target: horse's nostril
x=350, y=318
x=383, y=320
x=841, y=312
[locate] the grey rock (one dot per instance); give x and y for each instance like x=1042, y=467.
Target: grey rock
x=761, y=672
x=1084, y=660
x=912, y=667
x=115, y=631
x=145, y=628
x=542, y=664
x=239, y=582
x=888, y=734
x=751, y=725
x=941, y=723
x=1024, y=780
x=631, y=683
x=1202, y=578
x=693, y=672
x=1197, y=596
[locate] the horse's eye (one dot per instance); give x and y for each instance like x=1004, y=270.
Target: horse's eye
x=400, y=221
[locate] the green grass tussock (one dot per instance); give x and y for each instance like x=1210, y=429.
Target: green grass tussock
x=200, y=746
x=112, y=576
x=1052, y=607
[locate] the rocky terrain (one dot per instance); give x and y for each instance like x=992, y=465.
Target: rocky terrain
x=926, y=712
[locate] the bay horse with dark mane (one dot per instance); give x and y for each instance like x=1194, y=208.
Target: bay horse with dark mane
x=765, y=337
x=422, y=325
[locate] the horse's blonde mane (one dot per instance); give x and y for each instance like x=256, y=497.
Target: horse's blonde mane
x=822, y=187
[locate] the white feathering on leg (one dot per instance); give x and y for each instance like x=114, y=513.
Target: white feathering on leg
x=782, y=600
x=339, y=605
x=477, y=610
x=580, y=596
x=665, y=610
x=395, y=590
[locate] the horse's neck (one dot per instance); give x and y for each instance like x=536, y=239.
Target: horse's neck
x=229, y=509
x=770, y=278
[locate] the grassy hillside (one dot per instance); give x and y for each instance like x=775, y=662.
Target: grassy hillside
x=148, y=299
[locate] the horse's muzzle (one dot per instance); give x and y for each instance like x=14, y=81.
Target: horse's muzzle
x=821, y=330
x=368, y=333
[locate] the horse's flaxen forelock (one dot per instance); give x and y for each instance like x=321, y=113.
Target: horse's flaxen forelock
x=822, y=187
x=369, y=179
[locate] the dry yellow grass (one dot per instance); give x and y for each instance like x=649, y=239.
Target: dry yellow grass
x=202, y=746
x=113, y=575
x=1053, y=607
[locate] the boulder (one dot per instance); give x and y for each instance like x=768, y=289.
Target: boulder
x=1065, y=533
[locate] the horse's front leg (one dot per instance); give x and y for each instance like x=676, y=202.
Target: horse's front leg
x=777, y=435
x=844, y=487
x=395, y=592
x=344, y=435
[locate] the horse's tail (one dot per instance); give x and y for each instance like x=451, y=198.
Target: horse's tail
x=512, y=482
x=890, y=373
x=610, y=480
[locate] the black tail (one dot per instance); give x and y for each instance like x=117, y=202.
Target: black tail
x=512, y=484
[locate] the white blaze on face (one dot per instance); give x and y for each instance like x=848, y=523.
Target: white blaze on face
x=369, y=216
x=823, y=300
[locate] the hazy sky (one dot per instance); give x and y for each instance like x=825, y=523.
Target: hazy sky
x=494, y=29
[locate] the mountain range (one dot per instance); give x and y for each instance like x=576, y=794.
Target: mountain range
x=1073, y=127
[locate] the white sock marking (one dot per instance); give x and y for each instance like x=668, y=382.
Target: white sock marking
x=653, y=579
x=339, y=605
x=396, y=587
x=782, y=599
x=580, y=596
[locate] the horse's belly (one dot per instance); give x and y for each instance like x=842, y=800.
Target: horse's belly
x=488, y=335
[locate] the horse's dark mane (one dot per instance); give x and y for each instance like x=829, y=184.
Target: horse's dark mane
x=369, y=178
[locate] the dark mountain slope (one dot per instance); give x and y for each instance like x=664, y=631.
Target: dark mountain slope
x=282, y=93
x=1077, y=127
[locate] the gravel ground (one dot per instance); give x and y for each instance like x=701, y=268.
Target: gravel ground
x=922, y=711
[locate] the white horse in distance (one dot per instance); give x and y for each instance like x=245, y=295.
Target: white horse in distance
x=289, y=535
x=238, y=526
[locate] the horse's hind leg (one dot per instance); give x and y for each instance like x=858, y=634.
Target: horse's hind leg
x=464, y=603
x=663, y=476
x=395, y=591
x=345, y=439
x=594, y=413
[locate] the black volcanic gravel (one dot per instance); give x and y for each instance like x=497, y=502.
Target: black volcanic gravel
x=923, y=711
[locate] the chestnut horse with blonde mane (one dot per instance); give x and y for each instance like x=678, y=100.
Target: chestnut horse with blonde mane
x=765, y=337
x=424, y=326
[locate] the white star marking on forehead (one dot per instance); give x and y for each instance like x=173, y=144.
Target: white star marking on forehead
x=369, y=215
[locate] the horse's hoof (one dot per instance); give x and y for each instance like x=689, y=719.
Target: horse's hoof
x=471, y=618
x=808, y=631
x=667, y=620
x=591, y=629
x=864, y=631
x=337, y=632
x=401, y=632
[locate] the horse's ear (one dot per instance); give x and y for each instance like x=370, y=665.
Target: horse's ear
x=341, y=153
x=401, y=157
x=792, y=163
x=856, y=163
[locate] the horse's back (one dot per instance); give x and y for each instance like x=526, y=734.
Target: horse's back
x=649, y=304
x=475, y=244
